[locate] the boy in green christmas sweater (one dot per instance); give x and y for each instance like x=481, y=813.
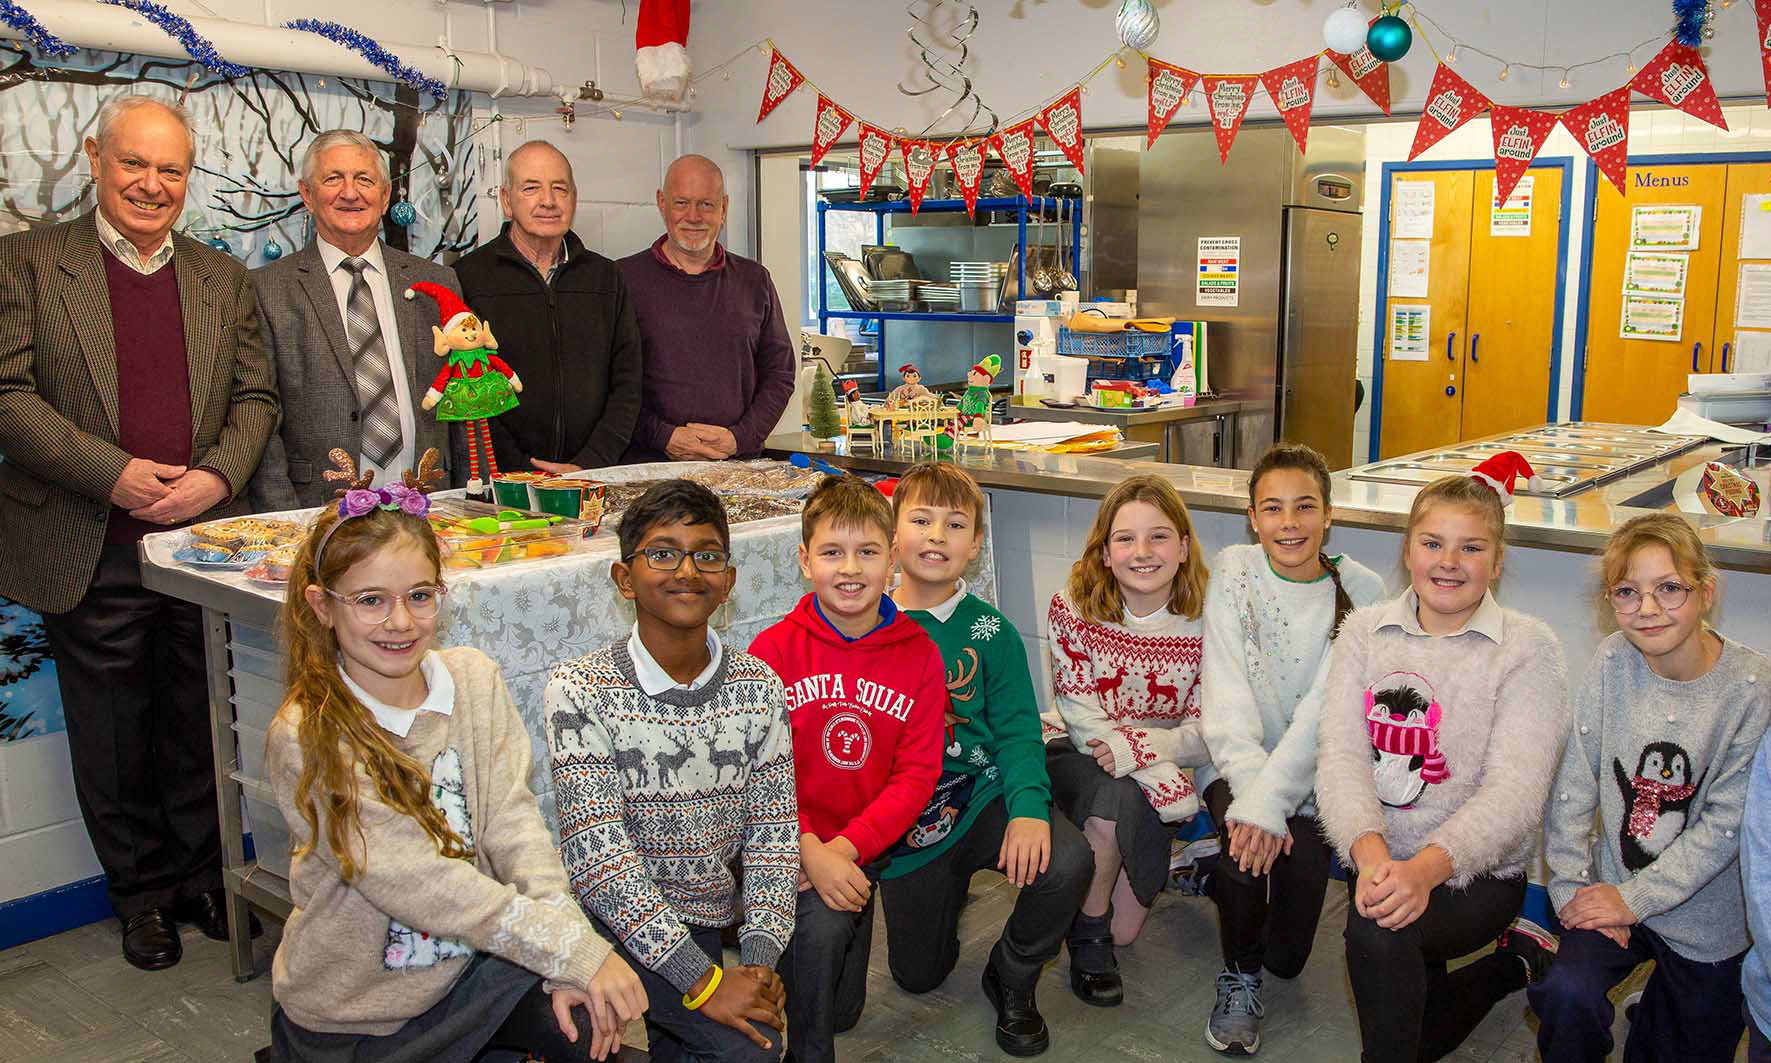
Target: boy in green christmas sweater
x=991, y=806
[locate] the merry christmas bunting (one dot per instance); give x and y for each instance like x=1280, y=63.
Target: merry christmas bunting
x=1602, y=127
x=919, y=163
x=1293, y=89
x=1370, y=73
x=1762, y=8
x=876, y=148
x=1062, y=121
x=1014, y=146
x=1167, y=85
x=1678, y=78
x=1518, y=135
x=1228, y=98
x=829, y=125
x=1451, y=102
x=968, y=170
x=782, y=80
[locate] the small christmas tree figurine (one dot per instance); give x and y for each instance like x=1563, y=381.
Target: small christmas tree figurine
x=821, y=408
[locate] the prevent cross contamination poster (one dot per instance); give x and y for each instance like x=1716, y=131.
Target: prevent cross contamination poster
x=1220, y=258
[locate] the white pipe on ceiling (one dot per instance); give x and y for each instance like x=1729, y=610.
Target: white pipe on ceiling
x=117, y=29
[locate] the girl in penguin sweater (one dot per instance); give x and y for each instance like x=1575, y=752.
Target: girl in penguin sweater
x=1666, y=724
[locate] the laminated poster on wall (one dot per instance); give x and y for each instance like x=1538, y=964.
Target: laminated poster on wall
x=1752, y=299
x=1410, y=325
x=1655, y=273
x=1410, y=265
x=1659, y=227
x=1647, y=317
x=1752, y=352
x=1411, y=210
x=1755, y=226
x=1220, y=260
x=1512, y=218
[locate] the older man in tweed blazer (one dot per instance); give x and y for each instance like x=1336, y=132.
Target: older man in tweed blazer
x=134, y=395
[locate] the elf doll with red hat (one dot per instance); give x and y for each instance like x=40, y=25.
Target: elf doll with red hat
x=474, y=383
x=910, y=389
x=974, y=405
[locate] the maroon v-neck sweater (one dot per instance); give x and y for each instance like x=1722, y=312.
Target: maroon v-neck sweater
x=153, y=376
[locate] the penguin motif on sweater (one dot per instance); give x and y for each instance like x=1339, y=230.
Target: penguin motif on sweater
x=1659, y=800
x=1402, y=716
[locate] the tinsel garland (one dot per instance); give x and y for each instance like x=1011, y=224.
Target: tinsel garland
x=1688, y=29
x=46, y=43
x=195, y=44
x=371, y=51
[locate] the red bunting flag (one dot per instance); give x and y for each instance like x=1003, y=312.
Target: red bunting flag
x=968, y=170
x=1602, y=127
x=1370, y=73
x=1228, y=98
x=831, y=123
x=1451, y=102
x=783, y=79
x=876, y=148
x=1678, y=78
x=1293, y=88
x=1062, y=121
x=920, y=157
x=1167, y=85
x=1014, y=146
x=1762, y=8
x=1518, y=135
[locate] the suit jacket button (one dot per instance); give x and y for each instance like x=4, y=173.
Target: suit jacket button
x=99, y=517
x=354, y=415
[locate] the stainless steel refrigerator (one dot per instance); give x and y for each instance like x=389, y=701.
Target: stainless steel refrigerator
x=1289, y=343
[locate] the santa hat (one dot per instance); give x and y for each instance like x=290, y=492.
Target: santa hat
x=849, y=387
x=661, y=54
x=1502, y=470
x=989, y=365
x=908, y=368
x=450, y=308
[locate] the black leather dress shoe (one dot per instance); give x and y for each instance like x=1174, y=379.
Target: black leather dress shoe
x=1020, y=1029
x=1101, y=988
x=150, y=940
x=208, y=912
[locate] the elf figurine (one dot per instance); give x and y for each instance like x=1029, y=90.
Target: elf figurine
x=855, y=409
x=974, y=405
x=474, y=384
x=910, y=389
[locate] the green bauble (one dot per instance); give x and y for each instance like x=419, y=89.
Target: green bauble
x=1389, y=38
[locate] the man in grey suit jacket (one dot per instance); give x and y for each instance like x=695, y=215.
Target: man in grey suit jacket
x=134, y=397
x=352, y=356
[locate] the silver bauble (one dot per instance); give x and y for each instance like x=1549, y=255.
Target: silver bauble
x=1137, y=24
x=1344, y=30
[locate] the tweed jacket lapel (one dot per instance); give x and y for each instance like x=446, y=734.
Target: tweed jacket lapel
x=197, y=301
x=323, y=303
x=88, y=303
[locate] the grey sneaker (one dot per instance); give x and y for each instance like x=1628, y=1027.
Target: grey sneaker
x=1235, y=1024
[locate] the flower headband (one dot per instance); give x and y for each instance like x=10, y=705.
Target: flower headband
x=410, y=494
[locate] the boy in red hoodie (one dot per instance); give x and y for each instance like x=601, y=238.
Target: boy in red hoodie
x=866, y=697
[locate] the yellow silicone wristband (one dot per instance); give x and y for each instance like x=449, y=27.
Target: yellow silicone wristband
x=706, y=994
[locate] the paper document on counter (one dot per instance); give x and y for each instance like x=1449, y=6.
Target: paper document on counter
x=1045, y=431
x=1685, y=423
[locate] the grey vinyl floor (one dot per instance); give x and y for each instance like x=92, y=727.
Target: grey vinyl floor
x=71, y=998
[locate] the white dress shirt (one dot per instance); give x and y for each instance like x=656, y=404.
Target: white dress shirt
x=118, y=244
x=381, y=291
x=654, y=680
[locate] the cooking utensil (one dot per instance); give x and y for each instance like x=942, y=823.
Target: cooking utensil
x=806, y=461
x=1066, y=278
x=1041, y=276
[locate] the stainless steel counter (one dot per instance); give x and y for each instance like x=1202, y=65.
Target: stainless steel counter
x=1579, y=524
x=1202, y=434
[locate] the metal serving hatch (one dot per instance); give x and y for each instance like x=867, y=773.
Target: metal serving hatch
x=1568, y=458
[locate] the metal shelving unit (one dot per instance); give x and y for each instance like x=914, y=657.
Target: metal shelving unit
x=1021, y=205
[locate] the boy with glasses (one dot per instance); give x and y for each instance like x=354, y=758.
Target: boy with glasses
x=672, y=763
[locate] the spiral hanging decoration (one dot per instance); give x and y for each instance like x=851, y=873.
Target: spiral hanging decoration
x=943, y=73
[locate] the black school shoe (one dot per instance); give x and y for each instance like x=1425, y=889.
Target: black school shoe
x=1094, y=971
x=1020, y=1029
x=150, y=940
x=208, y=912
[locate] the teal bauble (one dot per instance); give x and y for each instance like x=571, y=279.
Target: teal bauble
x=1389, y=38
x=403, y=214
x=221, y=245
x=272, y=251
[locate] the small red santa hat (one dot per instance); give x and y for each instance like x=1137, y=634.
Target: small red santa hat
x=661, y=54
x=849, y=387
x=1502, y=470
x=450, y=308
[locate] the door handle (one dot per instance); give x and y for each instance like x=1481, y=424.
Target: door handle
x=1450, y=389
x=1696, y=349
x=1725, y=347
x=1450, y=337
x=1475, y=338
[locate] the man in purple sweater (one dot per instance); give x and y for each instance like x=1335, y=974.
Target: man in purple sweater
x=718, y=367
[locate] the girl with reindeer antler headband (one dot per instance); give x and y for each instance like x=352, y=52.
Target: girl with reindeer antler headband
x=432, y=916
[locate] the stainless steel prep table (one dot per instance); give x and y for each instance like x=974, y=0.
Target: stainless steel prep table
x=1202, y=434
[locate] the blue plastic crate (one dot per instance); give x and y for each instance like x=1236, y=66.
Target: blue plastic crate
x=1129, y=344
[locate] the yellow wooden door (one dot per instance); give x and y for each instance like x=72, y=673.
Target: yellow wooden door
x=1423, y=398
x=1512, y=310
x=1744, y=179
x=1638, y=381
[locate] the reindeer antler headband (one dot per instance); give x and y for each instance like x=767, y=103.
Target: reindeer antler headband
x=409, y=495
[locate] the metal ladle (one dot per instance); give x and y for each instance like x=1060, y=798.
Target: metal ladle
x=1043, y=277
x=1066, y=279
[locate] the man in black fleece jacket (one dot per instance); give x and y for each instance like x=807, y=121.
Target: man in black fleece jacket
x=564, y=323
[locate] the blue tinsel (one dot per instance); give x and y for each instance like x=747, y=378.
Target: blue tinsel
x=1688, y=29
x=46, y=43
x=195, y=44
x=371, y=51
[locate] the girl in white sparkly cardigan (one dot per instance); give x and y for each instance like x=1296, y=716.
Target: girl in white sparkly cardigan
x=1442, y=718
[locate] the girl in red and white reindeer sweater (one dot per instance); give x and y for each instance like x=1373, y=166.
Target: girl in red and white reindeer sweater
x=1127, y=641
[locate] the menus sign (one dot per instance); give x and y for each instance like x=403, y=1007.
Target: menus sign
x=1014, y=146
x=1518, y=134
x=1166, y=86
x=968, y=170
x=1220, y=261
x=1602, y=127
x=1370, y=73
x=1451, y=102
x=1228, y=98
x=1678, y=78
x=876, y=148
x=782, y=80
x=831, y=123
x=1293, y=89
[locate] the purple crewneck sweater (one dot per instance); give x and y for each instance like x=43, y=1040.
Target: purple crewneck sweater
x=714, y=349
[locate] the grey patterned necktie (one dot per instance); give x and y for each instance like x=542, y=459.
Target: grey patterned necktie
x=375, y=381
